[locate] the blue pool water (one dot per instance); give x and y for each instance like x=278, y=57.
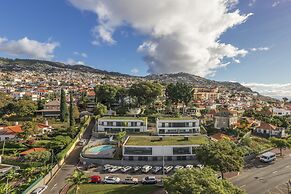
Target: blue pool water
x=98, y=149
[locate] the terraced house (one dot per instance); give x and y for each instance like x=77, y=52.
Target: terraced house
x=178, y=126
x=117, y=124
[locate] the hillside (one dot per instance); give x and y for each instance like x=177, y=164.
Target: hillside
x=18, y=65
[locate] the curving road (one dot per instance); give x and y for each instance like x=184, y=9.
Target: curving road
x=59, y=180
x=266, y=178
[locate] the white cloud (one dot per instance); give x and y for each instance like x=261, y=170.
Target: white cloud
x=74, y=62
x=275, y=3
x=236, y=60
x=183, y=36
x=134, y=71
x=82, y=54
x=272, y=90
x=28, y=47
x=260, y=49
x=252, y=3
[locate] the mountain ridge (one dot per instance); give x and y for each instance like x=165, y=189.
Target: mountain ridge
x=7, y=65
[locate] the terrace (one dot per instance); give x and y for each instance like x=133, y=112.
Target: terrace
x=124, y=118
x=164, y=141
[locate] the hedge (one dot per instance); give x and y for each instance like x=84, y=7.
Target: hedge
x=63, y=153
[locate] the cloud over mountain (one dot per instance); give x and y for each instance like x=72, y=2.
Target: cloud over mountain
x=183, y=36
x=28, y=47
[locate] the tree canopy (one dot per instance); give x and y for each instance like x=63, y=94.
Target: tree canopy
x=223, y=156
x=179, y=93
x=199, y=181
x=106, y=94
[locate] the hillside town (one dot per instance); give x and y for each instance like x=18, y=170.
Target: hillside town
x=129, y=124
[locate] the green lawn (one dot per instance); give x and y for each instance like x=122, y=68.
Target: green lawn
x=175, y=118
x=115, y=189
x=167, y=140
x=123, y=118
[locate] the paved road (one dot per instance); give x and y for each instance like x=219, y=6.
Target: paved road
x=58, y=182
x=263, y=178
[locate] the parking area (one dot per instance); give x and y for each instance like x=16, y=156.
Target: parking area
x=137, y=172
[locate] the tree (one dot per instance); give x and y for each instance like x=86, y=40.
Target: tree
x=40, y=104
x=83, y=101
x=76, y=113
x=120, y=137
x=100, y=109
x=78, y=177
x=25, y=107
x=106, y=94
x=280, y=144
x=71, y=111
x=145, y=92
x=42, y=157
x=203, y=181
x=6, y=188
x=223, y=156
x=11, y=175
x=285, y=99
x=29, y=128
x=63, y=107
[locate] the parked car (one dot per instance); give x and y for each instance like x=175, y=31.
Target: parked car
x=168, y=169
x=125, y=169
x=111, y=180
x=189, y=166
x=39, y=190
x=149, y=180
x=114, y=169
x=177, y=167
x=146, y=168
x=107, y=167
x=156, y=169
x=130, y=180
x=268, y=157
x=95, y=179
x=82, y=142
x=136, y=168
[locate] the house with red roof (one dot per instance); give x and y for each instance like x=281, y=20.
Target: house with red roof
x=270, y=130
x=10, y=132
x=32, y=150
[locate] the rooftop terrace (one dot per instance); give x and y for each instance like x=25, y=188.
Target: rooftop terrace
x=123, y=118
x=167, y=140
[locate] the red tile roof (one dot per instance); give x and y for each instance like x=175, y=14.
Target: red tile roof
x=33, y=150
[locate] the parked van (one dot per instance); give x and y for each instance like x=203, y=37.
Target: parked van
x=268, y=157
x=146, y=168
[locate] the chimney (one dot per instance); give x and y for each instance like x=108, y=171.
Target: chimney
x=16, y=123
x=46, y=123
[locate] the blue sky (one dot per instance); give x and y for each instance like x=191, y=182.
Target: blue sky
x=64, y=30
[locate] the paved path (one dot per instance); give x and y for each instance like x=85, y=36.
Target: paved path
x=58, y=181
x=266, y=178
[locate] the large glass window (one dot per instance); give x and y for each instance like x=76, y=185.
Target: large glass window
x=137, y=151
x=181, y=150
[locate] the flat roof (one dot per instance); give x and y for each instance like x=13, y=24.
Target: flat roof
x=167, y=140
x=123, y=118
x=176, y=118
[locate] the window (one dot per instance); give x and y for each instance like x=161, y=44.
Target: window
x=143, y=158
x=169, y=158
x=6, y=138
x=137, y=151
x=163, y=124
x=155, y=158
x=181, y=158
x=181, y=150
x=130, y=158
x=109, y=123
x=133, y=124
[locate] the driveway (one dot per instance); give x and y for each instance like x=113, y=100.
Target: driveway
x=71, y=162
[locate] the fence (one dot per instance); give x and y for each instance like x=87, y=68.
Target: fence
x=63, y=155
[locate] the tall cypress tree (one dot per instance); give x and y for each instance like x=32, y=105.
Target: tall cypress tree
x=71, y=111
x=63, y=107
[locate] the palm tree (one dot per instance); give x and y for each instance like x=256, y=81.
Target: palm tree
x=78, y=177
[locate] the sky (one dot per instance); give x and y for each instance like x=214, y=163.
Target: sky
x=248, y=41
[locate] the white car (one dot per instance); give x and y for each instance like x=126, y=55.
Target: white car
x=156, y=169
x=201, y=166
x=268, y=157
x=114, y=169
x=130, y=180
x=126, y=168
x=146, y=168
x=111, y=180
x=39, y=190
x=168, y=169
x=149, y=180
x=189, y=166
x=107, y=167
x=177, y=167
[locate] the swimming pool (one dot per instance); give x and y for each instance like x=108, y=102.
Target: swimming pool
x=100, y=151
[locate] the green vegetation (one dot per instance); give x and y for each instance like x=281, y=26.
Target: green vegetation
x=197, y=180
x=100, y=109
x=63, y=107
x=168, y=140
x=124, y=118
x=78, y=177
x=223, y=156
x=280, y=144
x=175, y=118
x=115, y=189
x=71, y=111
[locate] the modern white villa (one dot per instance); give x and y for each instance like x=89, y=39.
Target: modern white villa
x=117, y=124
x=178, y=126
x=159, y=148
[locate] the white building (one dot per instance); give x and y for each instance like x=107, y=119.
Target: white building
x=178, y=126
x=270, y=130
x=117, y=124
x=281, y=112
x=10, y=132
x=155, y=148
